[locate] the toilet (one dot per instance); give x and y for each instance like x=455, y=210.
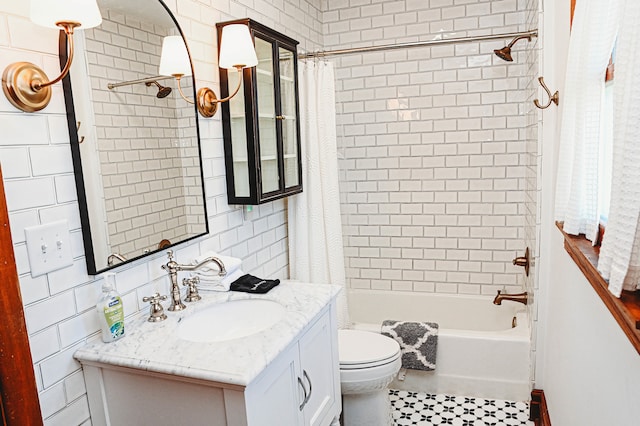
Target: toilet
x=368, y=363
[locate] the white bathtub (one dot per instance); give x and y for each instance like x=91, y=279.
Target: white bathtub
x=479, y=352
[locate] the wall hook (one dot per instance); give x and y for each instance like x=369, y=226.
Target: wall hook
x=555, y=98
x=78, y=130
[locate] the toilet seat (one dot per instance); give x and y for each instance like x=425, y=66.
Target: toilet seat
x=364, y=349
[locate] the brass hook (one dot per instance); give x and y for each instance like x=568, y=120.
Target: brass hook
x=78, y=129
x=555, y=98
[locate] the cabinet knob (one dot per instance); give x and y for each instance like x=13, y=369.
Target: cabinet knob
x=280, y=117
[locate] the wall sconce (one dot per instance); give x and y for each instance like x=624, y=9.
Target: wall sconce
x=236, y=51
x=27, y=86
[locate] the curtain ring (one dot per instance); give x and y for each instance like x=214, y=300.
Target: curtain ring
x=555, y=98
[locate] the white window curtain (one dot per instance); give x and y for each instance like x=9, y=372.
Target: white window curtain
x=592, y=37
x=316, y=253
x=620, y=254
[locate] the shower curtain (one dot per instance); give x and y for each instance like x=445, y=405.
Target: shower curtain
x=315, y=229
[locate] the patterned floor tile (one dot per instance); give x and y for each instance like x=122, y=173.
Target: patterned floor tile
x=422, y=409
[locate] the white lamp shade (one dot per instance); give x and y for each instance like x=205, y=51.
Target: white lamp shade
x=174, y=59
x=47, y=12
x=236, y=47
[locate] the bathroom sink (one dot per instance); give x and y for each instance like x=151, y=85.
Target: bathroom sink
x=230, y=320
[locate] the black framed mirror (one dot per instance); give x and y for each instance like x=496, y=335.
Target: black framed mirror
x=135, y=141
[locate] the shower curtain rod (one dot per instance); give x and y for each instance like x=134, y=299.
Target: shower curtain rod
x=323, y=53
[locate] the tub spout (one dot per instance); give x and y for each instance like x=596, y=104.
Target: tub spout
x=520, y=297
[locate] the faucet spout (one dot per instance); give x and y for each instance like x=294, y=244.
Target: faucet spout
x=520, y=298
x=172, y=267
x=213, y=259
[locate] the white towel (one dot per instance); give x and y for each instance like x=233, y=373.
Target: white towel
x=211, y=269
x=220, y=284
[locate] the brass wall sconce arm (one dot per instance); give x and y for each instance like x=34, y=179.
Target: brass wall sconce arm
x=206, y=99
x=26, y=85
x=237, y=51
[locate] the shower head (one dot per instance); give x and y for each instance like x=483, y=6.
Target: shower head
x=163, y=91
x=505, y=52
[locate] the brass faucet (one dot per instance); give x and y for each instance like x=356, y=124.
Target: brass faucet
x=172, y=267
x=520, y=297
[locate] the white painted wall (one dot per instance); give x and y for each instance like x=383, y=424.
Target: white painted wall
x=592, y=372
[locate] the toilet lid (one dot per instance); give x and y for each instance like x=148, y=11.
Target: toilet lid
x=357, y=348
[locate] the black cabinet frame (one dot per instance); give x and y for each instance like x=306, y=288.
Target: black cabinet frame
x=250, y=92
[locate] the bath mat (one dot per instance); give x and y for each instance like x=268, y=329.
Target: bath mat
x=418, y=342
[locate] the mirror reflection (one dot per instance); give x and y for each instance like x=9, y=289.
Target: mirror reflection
x=136, y=151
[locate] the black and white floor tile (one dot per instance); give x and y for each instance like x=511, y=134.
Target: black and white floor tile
x=422, y=409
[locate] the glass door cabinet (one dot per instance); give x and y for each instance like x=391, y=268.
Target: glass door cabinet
x=260, y=124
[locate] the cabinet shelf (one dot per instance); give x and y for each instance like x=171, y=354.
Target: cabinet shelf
x=253, y=178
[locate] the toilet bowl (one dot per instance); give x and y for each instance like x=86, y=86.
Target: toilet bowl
x=368, y=363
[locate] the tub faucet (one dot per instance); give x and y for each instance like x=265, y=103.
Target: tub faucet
x=520, y=297
x=172, y=267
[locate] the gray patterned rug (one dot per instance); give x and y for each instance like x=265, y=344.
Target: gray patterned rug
x=418, y=341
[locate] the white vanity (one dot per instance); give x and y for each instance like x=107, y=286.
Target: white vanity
x=284, y=375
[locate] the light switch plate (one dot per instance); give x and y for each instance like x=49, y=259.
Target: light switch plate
x=49, y=247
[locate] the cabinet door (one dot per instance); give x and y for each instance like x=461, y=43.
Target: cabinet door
x=320, y=372
x=289, y=117
x=275, y=397
x=266, y=103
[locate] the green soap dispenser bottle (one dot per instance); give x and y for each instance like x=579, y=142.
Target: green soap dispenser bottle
x=110, y=310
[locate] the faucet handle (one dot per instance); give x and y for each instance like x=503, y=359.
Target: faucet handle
x=156, y=311
x=192, y=290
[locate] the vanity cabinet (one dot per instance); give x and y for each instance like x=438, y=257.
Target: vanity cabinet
x=308, y=366
x=304, y=375
x=261, y=123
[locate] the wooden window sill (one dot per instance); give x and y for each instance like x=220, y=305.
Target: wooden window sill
x=626, y=309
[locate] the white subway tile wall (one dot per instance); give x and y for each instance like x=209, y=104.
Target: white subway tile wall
x=38, y=174
x=433, y=168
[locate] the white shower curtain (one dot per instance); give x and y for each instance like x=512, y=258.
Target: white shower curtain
x=620, y=254
x=592, y=37
x=315, y=229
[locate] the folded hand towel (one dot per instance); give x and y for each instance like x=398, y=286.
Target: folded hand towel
x=250, y=284
x=418, y=342
x=219, y=284
x=211, y=268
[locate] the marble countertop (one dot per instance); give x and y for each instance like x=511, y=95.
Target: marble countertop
x=156, y=347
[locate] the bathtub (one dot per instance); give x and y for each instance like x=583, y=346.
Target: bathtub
x=483, y=349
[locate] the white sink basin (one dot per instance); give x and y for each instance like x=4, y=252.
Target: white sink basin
x=230, y=320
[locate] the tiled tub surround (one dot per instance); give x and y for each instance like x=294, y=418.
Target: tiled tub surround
x=479, y=353
x=154, y=350
x=433, y=167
